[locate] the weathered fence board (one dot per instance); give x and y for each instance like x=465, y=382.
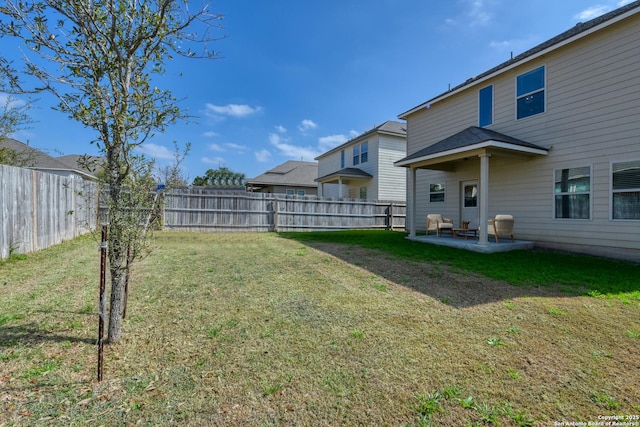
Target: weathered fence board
x=207, y=209
x=39, y=209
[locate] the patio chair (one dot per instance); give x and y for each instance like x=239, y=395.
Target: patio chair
x=435, y=222
x=501, y=225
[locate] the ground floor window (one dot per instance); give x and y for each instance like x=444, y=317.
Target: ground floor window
x=572, y=192
x=436, y=193
x=625, y=190
x=363, y=192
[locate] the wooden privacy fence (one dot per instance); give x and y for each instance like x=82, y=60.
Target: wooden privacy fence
x=205, y=209
x=39, y=209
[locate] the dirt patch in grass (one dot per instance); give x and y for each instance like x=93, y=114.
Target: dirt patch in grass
x=253, y=329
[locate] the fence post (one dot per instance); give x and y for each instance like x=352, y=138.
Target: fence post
x=103, y=300
x=34, y=213
x=391, y=216
x=275, y=214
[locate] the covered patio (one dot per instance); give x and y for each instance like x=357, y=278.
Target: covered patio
x=345, y=176
x=471, y=143
x=473, y=244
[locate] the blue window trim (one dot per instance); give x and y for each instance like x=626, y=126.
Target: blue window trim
x=531, y=90
x=485, y=106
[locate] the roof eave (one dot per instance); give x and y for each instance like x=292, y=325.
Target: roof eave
x=517, y=63
x=483, y=145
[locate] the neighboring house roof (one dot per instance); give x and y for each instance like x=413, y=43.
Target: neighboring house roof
x=578, y=31
x=89, y=164
x=41, y=161
x=389, y=128
x=293, y=173
x=472, y=138
x=345, y=173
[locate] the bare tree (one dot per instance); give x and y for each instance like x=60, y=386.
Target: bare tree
x=14, y=117
x=98, y=58
x=172, y=175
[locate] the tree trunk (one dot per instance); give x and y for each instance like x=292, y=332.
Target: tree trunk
x=116, y=306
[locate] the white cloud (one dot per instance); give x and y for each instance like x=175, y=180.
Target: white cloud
x=156, y=151
x=236, y=146
x=216, y=147
x=624, y=2
x=592, y=12
x=210, y=134
x=281, y=129
x=263, y=156
x=307, y=125
x=213, y=160
x=478, y=13
x=293, y=151
x=326, y=143
x=233, y=110
x=515, y=45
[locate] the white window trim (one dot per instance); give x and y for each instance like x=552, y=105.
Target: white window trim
x=444, y=192
x=516, y=97
x=611, y=163
x=553, y=192
x=362, y=145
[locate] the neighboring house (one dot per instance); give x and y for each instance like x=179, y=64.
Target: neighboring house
x=35, y=159
x=362, y=168
x=292, y=178
x=551, y=136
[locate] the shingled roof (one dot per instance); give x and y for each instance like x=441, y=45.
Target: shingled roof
x=553, y=43
x=389, y=128
x=471, y=136
x=292, y=172
x=40, y=160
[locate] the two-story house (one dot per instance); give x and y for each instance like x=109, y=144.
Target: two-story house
x=551, y=136
x=363, y=167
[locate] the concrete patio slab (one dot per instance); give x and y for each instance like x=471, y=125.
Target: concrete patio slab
x=472, y=244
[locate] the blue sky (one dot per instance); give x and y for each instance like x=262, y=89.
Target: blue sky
x=297, y=78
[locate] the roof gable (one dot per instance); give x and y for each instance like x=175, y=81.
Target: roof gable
x=578, y=31
x=387, y=128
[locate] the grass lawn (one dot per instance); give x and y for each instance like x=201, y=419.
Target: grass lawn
x=353, y=328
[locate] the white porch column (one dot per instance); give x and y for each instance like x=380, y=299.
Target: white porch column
x=339, y=187
x=484, y=198
x=412, y=200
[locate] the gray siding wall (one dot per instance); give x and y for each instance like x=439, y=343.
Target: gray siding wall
x=331, y=163
x=392, y=180
x=592, y=119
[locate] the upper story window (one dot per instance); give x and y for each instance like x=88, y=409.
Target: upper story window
x=485, y=106
x=364, y=152
x=625, y=190
x=530, y=93
x=342, y=159
x=356, y=154
x=572, y=193
x=360, y=153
